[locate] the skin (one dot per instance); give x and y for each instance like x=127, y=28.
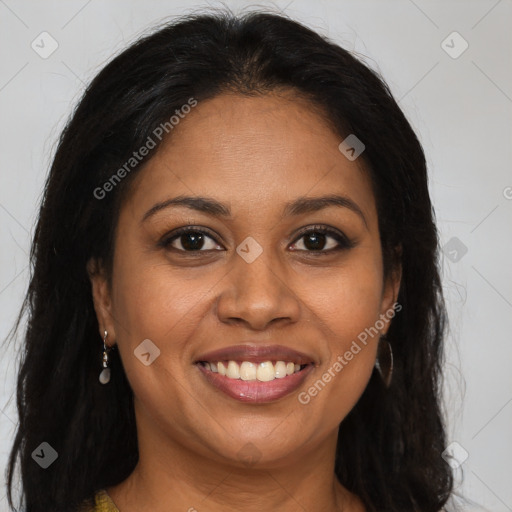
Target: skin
x=254, y=154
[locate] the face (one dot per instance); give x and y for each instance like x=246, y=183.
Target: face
x=266, y=267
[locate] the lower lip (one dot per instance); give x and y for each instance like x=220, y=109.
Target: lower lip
x=255, y=391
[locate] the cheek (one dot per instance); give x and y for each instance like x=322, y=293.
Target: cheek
x=348, y=300
x=347, y=307
x=154, y=302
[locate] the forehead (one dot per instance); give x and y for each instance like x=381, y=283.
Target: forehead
x=255, y=152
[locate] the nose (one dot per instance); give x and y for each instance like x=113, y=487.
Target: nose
x=257, y=294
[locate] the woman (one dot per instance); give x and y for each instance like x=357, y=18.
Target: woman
x=235, y=301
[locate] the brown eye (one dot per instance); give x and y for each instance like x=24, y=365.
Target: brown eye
x=190, y=240
x=322, y=240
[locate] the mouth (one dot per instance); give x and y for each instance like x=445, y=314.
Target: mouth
x=255, y=373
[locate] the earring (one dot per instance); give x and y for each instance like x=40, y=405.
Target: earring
x=105, y=373
x=384, y=361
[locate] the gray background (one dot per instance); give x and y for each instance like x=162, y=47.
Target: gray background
x=460, y=106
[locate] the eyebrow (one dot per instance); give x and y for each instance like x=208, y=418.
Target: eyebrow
x=299, y=206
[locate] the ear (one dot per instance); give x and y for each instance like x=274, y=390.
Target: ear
x=391, y=289
x=101, y=298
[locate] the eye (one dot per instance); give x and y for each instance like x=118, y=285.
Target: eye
x=190, y=240
x=321, y=239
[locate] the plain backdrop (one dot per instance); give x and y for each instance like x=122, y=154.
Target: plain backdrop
x=449, y=65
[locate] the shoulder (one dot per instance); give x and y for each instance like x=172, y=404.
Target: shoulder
x=102, y=503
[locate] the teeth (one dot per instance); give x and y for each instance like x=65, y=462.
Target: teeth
x=264, y=372
x=248, y=371
x=233, y=371
x=280, y=369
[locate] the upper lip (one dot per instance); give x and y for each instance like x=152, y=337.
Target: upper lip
x=257, y=353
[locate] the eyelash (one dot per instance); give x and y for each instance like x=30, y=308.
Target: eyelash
x=343, y=241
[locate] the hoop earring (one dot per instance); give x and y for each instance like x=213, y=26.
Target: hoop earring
x=105, y=373
x=384, y=361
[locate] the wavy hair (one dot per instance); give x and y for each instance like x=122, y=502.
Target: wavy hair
x=389, y=446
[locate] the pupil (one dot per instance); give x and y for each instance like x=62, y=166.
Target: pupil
x=192, y=241
x=317, y=241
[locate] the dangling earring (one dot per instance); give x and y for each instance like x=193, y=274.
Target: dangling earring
x=105, y=373
x=384, y=361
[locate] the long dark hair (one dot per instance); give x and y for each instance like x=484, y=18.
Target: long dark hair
x=390, y=445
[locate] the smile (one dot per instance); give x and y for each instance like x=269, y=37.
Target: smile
x=254, y=382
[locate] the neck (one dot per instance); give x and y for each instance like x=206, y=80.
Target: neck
x=173, y=476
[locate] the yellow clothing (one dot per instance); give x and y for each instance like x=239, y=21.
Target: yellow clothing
x=103, y=503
